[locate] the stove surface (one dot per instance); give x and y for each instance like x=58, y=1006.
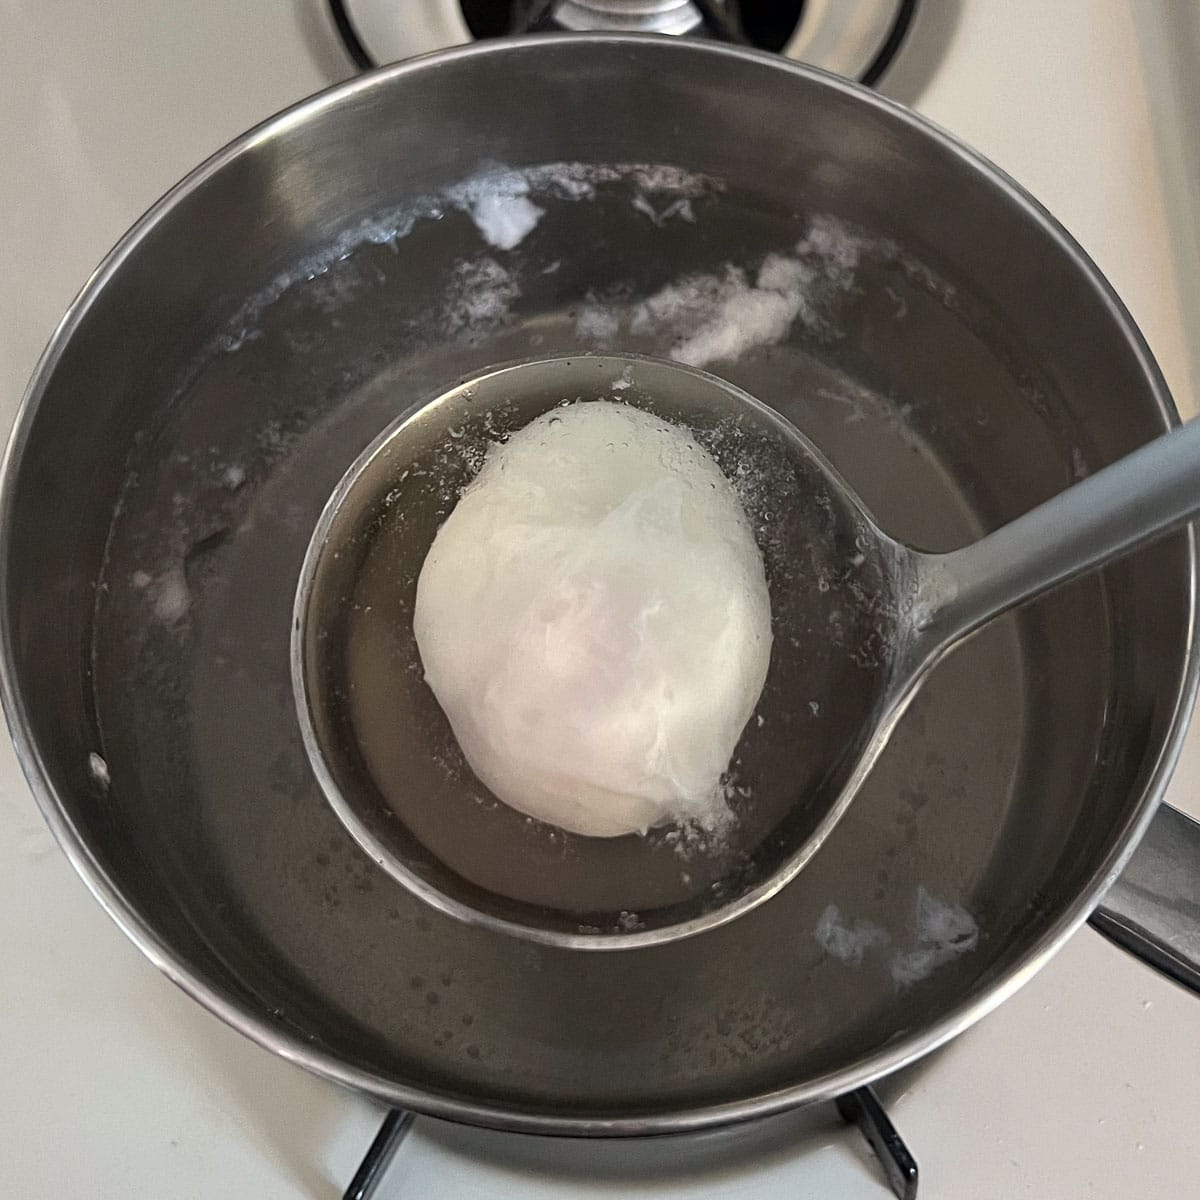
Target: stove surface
x=117, y=1085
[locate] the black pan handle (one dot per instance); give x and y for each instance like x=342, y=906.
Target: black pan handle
x=1153, y=910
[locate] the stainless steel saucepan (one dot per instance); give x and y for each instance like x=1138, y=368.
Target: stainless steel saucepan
x=906, y=306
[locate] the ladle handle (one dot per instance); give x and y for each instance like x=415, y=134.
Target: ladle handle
x=1140, y=496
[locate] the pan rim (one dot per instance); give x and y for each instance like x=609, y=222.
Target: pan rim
x=499, y=1115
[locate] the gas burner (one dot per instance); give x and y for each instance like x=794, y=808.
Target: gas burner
x=855, y=38
x=860, y=1107
x=611, y=16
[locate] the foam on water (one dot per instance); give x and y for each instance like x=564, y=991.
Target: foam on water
x=595, y=323
x=681, y=207
x=98, y=770
x=943, y=931
x=499, y=204
x=479, y=293
x=171, y=600
x=720, y=316
x=848, y=941
x=940, y=932
x=502, y=201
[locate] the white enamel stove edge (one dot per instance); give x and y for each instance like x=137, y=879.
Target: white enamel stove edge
x=116, y=1085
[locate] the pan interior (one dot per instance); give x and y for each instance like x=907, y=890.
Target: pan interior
x=952, y=360
x=196, y=718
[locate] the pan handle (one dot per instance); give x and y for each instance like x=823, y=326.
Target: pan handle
x=1153, y=909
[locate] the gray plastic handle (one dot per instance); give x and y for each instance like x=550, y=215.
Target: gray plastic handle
x=1145, y=494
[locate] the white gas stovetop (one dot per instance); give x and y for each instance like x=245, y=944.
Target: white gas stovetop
x=114, y=1084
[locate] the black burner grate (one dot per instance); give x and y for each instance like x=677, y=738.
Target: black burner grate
x=860, y=1107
